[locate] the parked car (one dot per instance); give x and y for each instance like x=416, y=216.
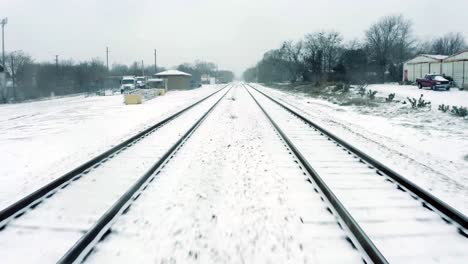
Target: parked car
x=434, y=81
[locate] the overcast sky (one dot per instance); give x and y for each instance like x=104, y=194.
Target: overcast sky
x=234, y=34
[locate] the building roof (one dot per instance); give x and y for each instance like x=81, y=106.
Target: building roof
x=424, y=58
x=435, y=56
x=462, y=55
x=173, y=73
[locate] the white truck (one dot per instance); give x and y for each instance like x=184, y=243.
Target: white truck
x=141, y=81
x=128, y=83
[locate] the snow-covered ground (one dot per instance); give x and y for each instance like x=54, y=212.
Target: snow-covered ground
x=453, y=97
x=427, y=146
x=232, y=194
x=41, y=140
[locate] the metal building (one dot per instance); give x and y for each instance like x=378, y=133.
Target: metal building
x=421, y=65
x=456, y=66
x=175, y=80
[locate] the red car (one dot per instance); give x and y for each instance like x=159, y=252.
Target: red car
x=434, y=81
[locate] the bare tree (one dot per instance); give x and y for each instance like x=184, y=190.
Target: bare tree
x=448, y=44
x=16, y=64
x=389, y=41
x=292, y=54
x=327, y=45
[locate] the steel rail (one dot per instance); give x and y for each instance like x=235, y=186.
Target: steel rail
x=360, y=236
x=31, y=200
x=451, y=215
x=86, y=243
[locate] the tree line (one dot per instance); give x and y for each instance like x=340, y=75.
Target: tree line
x=29, y=79
x=323, y=56
x=200, y=68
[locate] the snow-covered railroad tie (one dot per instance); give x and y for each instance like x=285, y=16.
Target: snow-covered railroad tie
x=76, y=208
x=388, y=215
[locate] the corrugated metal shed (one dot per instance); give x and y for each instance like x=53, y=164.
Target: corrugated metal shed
x=421, y=65
x=455, y=66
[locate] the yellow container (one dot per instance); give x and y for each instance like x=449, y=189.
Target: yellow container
x=133, y=99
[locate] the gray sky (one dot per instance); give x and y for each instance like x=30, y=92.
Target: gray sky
x=233, y=34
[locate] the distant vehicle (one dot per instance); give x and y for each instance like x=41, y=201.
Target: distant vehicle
x=128, y=83
x=434, y=81
x=141, y=81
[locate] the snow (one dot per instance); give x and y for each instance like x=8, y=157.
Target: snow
x=232, y=194
x=440, y=78
x=435, y=56
x=40, y=141
x=428, y=147
x=172, y=72
x=379, y=207
x=62, y=218
x=452, y=97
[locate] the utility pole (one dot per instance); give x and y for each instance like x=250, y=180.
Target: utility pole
x=3, y=22
x=56, y=71
x=155, y=62
x=107, y=59
x=142, y=68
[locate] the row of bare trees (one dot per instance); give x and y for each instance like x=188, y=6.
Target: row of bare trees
x=322, y=56
x=199, y=68
x=29, y=79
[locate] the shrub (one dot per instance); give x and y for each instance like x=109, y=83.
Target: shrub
x=341, y=87
x=459, y=111
x=390, y=98
x=371, y=94
x=420, y=103
x=338, y=87
x=362, y=90
x=444, y=108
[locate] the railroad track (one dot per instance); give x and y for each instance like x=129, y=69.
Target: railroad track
x=74, y=211
x=391, y=220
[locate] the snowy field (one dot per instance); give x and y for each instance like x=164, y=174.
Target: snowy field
x=42, y=140
x=427, y=146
